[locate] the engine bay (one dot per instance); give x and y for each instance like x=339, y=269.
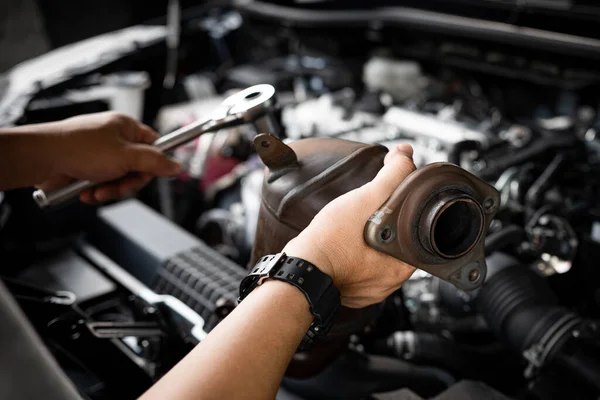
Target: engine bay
x=121, y=292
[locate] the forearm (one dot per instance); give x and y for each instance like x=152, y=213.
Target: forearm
x=247, y=354
x=26, y=155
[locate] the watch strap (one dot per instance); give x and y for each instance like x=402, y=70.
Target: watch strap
x=318, y=288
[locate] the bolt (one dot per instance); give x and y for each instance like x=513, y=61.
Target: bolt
x=386, y=234
x=150, y=310
x=224, y=307
x=488, y=203
x=266, y=144
x=495, y=225
x=541, y=266
x=474, y=275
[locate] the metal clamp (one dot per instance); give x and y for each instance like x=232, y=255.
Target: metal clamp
x=539, y=352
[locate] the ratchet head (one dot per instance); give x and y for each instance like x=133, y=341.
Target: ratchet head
x=251, y=103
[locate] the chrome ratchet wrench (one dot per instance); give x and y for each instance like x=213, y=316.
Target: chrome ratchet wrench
x=252, y=105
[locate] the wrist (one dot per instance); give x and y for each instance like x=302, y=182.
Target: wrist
x=295, y=302
x=313, y=254
x=60, y=145
x=54, y=152
x=321, y=295
x=38, y=146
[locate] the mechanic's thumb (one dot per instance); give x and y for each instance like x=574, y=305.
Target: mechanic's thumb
x=148, y=159
x=398, y=165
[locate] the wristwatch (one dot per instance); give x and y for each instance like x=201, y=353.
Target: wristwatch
x=323, y=297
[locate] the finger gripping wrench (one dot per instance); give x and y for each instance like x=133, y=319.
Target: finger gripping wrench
x=252, y=105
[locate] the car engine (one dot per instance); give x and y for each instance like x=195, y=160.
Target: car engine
x=121, y=292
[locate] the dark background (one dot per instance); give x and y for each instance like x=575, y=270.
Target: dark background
x=32, y=27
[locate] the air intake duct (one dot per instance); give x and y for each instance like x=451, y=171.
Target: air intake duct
x=522, y=310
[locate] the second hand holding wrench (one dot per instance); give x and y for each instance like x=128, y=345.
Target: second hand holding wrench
x=252, y=105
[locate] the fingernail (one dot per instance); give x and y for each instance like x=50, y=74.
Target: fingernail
x=405, y=149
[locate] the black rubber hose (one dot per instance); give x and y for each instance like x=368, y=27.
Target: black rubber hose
x=354, y=376
x=521, y=309
x=537, y=189
x=425, y=348
x=535, y=149
x=581, y=359
x=461, y=147
x=518, y=305
x=412, y=18
x=507, y=236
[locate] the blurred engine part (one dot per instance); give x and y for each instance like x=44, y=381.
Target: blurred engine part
x=235, y=197
x=122, y=92
x=401, y=105
x=441, y=127
x=433, y=138
x=29, y=78
x=553, y=239
x=25, y=354
x=329, y=115
x=463, y=390
x=4, y=211
x=300, y=73
x=251, y=193
x=460, y=359
x=356, y=375
x=87, y=308
x=403, y=80
x=171, y=261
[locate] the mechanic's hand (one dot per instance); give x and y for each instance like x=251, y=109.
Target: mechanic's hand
x=104, y=147
x=334, y=239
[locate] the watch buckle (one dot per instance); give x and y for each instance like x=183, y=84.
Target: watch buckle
x=264, y=272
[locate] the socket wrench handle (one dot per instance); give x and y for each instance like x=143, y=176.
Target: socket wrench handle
x=61, y=195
